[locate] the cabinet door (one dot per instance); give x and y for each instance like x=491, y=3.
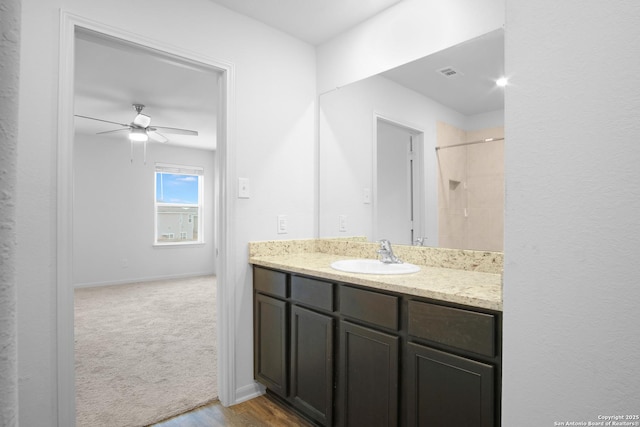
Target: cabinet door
x=368, y=376
x=312, y=363
x=270, y=343
x=448, y=390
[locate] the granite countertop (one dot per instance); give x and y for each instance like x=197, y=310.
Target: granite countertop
x=470, y=288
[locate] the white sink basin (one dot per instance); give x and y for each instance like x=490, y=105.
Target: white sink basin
x=373, y=266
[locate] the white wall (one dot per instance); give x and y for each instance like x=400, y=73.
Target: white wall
x=406, y=31
x=572, y=235
x=492, y=119
x=113, y=216
x=273, y=137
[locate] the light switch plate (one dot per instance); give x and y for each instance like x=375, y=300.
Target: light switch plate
x=243, y=188
x=283, y=224
x=366, y=196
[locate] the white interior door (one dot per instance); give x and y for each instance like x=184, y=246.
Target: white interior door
x=398, y=168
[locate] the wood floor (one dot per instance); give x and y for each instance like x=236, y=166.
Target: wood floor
x=258, y=412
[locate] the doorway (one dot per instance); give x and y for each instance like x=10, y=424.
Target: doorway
x=223, y=246
x=398, y=204
x=119, y=237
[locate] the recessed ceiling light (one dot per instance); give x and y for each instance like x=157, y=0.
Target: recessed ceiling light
x=502, y=81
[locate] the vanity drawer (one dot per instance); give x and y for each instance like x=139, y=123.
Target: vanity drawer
x=312, y=292
x=368, y=306
x=270, y=282
x=464, y=329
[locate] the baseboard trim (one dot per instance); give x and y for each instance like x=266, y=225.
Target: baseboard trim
x=248, y=392
x=141, y=280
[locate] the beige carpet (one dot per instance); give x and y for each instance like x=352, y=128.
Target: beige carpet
x=144, y=351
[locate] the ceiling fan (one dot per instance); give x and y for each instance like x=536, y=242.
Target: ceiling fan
x=140, y=128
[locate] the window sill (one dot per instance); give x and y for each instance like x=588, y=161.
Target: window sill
x=178, y=244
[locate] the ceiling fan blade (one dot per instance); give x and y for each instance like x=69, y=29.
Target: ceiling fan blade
x=100, y=120
x=110, y=131
x=176, y=130
x=158, y=137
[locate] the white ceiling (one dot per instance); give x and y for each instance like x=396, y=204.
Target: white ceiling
x=111, y=75
x=314, y=21
x=479, y=63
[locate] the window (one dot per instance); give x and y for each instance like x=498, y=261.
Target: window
x=178, y=205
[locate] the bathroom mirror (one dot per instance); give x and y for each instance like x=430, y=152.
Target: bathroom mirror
x=415, y=154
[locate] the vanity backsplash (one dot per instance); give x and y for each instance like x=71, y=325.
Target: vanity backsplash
x=359, y=247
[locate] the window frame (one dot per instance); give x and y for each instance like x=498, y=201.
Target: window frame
x=179, y=170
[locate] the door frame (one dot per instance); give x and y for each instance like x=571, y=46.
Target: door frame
x=224, y=205
x=419, y=154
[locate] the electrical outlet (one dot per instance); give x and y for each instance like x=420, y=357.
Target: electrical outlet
x=283, y=224
x=342, y=223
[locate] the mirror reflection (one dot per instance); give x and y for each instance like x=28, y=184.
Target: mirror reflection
x=415, y=154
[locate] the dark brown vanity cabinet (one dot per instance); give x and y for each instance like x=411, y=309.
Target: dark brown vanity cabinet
x=452, y=367
x=369, y=369
x=369, y=358
x=312, y=363
x=294, y=334
x=270, y=324
x=445, y=389
x=351, y=356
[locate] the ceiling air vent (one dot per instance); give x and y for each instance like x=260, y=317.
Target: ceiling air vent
x=449, y=72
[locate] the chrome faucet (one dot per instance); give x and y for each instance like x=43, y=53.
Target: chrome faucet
x=386, y=253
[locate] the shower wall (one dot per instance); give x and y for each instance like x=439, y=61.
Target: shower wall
x=470, y=189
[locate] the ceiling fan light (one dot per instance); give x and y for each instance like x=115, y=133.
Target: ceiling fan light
x=138, y=135
x=142, y=120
